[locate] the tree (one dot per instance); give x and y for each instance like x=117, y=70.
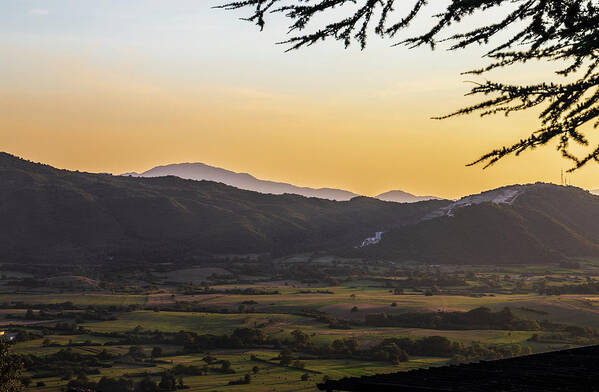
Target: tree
x=249, y=336
x=302, y=339
x=351, y=344
x=286, y=357
x=146, y=385
x=167, y=382
x=136, y=352
x=225, y=365
x=156, y=352
x=397, y=354
x=10, y=370
x=113, y=385
x=553, y=31
x=298, y=364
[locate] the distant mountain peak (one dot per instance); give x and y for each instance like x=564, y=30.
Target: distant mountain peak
x=200, y=171
x=399, y=196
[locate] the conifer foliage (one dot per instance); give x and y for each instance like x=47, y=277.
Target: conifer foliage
x=563, y=32
x=10, y=370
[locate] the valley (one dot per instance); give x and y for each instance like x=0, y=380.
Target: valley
x=188, y=206
x=126, y=283
x=257, y=324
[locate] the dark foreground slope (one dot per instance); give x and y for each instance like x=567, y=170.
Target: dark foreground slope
x=51, y=215
x=538, y=223
x=565, y=370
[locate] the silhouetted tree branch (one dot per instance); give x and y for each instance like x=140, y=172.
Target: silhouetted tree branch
x=560, y=31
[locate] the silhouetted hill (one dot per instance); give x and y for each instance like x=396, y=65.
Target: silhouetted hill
x=200, y=171
x=52, y=215
x=512, y=225
x=398, y=196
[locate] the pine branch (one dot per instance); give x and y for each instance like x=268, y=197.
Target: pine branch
x=555, y=31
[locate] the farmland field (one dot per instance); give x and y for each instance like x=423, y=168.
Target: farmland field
x=276, y=330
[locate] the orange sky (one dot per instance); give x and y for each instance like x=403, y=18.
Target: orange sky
x=322, y=117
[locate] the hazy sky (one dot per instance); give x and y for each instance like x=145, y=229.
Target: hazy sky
x=116, y=86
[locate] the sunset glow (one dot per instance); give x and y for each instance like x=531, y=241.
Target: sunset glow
x=118, y=86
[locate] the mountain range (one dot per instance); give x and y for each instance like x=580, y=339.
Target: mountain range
x=59, y=216
x=200, y=171
x=52, y=215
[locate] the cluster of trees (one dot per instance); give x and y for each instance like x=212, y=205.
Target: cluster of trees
x=244, y=291
x=76, y=367
x=315, y=292
x=80, y=317
x=67, y=363
x=585, y=288
x=390, y=352
x=190, y=370
x=240, y=338
x=242, y=381
x=433, y=346
x=477, y=351
x=59, y=307
x=479, y=318
x=398, y=349
x=168, y=382
x=562, y=333
x=345, y=347
x=439, y=280
x=333, y=322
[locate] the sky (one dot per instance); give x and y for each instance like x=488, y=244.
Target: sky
x=118, y=86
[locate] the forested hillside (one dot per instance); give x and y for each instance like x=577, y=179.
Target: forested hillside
x=543, y=223
x=51, y=215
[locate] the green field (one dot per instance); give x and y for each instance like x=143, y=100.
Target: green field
x=78, y=299
x=118, y=330
x=204, y=323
